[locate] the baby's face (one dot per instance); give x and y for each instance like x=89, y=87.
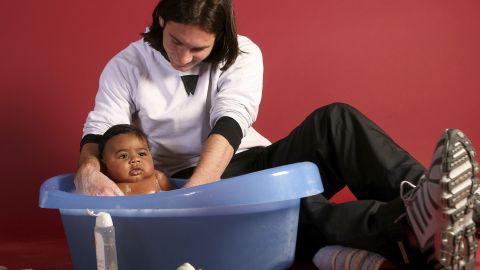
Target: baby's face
x=127, y=159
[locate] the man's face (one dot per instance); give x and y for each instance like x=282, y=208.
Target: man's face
x=186, y=45
x=127, y=159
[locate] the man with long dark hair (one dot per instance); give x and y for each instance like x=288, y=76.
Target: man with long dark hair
x=194, y=87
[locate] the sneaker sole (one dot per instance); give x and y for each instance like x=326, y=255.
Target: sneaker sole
x=458, y=246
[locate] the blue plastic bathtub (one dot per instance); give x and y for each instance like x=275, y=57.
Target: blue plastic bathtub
x=245, y=222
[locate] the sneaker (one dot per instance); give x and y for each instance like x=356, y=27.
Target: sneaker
x=439, y=208
x=476, y=213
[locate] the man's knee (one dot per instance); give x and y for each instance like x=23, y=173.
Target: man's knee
x=335, y=109
x=339, y=106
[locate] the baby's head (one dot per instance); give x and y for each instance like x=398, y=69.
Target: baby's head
x=125, y=153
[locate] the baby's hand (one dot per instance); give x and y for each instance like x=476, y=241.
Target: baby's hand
x=89, y=181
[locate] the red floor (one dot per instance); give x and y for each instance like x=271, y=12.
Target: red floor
x=38, y=255
x=50, y=255
x=53, y=255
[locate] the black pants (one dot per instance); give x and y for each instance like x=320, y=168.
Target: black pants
x=350, y=150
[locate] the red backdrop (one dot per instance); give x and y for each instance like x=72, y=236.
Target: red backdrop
x=413, y=67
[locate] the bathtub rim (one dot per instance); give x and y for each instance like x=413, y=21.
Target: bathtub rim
x=282, y=183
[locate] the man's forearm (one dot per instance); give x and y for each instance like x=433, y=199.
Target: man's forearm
x=90, y=154
x=215, y=157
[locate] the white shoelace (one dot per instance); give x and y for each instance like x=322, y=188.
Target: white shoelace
x=408, y=196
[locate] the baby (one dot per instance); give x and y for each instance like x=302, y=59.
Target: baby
x=127, y=161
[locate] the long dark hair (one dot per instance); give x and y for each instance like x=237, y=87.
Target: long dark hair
x=214, y=16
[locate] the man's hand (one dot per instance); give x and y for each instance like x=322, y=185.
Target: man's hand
x=90, y=181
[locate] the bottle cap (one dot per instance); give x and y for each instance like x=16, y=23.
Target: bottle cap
x=103, y=220
x=186, y=266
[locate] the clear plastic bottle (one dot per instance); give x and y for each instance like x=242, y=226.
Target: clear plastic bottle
x=105, y=242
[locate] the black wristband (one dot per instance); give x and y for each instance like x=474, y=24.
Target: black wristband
x=90, y=138
x=230, y=129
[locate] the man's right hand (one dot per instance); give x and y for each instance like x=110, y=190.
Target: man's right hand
x=90, y=181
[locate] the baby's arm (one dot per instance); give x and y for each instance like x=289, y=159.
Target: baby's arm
x=163, y=181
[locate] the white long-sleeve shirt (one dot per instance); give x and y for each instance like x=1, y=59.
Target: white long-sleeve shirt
x=140, y=86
